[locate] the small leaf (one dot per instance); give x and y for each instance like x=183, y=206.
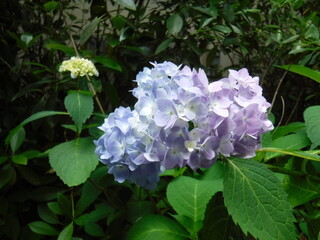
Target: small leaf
x=312, y=119
x=63, y=48
x=20, y=159
x=47, y=215
x=79, y=105
x=222, y=28
x=304, y=71
x=156, y=227
x=66, y=233
x=17, y=139
x=163, y=45
x=51, y=5
x=43, y=228
x=89, y=30
x=73, y=161
x=312, y=33
x=118, y=22
x=255, y=200
x=55, y=208
x=108, y=62
x=174, y=24
x=127, y=4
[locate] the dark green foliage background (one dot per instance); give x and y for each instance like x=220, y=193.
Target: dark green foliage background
x=34, y=36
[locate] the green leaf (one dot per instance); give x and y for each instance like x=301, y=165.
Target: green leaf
x=312, y=119
x=300, y=190
x=55, y=208
x=290, y=142
x=174, y=24
x=33, y=117
x=127, y=4
x=17, y=139
x=222, y=28
x=47, y=215
x=90, y=225
x=89, y=193
x=290, y=128
x=163, y=45
x=7, y=175
x=73, y=161
x=217, y=222
x=156, y=227
x=20, y=159
x=138, y=209
x=256, y=201
x=108, y=62
x=89, y=30
x=118, y=22
x=304, y=71
x=189, y=197
x=80, y=106
x=63, y=48
x=66, y=233
x=93, y=229
x=51, y=5
x=43, y=228
x=312, y=33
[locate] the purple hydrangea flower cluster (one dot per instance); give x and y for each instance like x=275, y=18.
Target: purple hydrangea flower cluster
x=180, y=119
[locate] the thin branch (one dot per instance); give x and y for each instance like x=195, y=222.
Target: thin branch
x=277, y=90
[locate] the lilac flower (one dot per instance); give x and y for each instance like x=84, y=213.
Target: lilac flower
x=180, y=119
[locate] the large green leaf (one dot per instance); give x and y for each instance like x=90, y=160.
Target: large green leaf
x=174, y=23
x=73, y=161
x=80, y=106
x=89, y=30
x=312, y=118
x=189, y=198
x=156, y=227
x=304, y=71
x=255, y=200
x=290, y=142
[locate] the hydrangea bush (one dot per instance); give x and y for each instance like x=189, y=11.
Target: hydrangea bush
x=180, y=119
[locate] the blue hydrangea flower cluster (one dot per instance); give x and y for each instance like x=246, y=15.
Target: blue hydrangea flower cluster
x=180, y=119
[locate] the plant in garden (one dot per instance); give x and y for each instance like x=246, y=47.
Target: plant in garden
x=52, y=185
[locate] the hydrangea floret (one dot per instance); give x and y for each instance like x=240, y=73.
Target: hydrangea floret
x=180, y=119
x=78, y=66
